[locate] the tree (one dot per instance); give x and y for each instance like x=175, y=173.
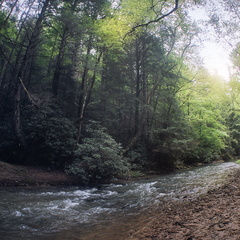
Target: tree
x=124, y=64
x=66, y=27
x=233, y=104
x=22, y=71
x=205, y=111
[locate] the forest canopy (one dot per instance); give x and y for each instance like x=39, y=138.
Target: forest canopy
x=102, y=87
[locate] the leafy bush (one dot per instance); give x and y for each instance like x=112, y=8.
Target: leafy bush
x=9, y=149
x=50, y=137
x=99, y=157
x=138, y=158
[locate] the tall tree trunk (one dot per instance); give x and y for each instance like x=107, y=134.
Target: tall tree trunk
x=84, y=78
x=145, y=112
x=9, y=67
x=58, y=68
x=21, y=76
x=104, y=77
x=57, y=72
x=140, y=94
x=86, y=97
x=51, y=58
x=137, y=123
x=137, y=89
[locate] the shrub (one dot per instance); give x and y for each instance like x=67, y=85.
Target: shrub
x=50, y=137
x=9, y=149
x=99, y=156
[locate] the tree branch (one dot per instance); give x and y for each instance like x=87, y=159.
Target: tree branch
x=7, y=59
x=28, y=94
x=156, y=20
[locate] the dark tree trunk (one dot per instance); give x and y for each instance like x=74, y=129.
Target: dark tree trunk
x=84, y=79
x=137, y=89
x=86, y=97
x=22, y=74
x=58, y=68
x=57, y=72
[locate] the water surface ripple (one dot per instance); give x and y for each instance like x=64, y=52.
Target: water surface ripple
x=41, y=213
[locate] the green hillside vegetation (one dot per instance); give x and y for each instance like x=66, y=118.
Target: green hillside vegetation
x=103, y=88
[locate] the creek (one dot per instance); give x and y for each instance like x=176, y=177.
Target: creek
x=74, y=213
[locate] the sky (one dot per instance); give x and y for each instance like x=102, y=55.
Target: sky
x=216, y=59
x=215, y=56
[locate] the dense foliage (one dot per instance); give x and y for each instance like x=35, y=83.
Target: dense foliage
x=100, y=87
x=98, y=157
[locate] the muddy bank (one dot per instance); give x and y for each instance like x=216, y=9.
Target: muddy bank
x=21, y=176
x=215, y=215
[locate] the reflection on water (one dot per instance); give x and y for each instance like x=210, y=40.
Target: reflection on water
x=54, y=213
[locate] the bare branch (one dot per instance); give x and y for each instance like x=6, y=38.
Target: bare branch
x=8, y=60
x=156, y=20
x=28, y=94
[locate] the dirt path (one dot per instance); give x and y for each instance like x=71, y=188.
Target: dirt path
x=214, y=216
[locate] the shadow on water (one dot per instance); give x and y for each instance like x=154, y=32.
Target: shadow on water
x=107, y=212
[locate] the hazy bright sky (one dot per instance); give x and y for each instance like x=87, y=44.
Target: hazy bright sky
x=216, y=59
x=215, y=56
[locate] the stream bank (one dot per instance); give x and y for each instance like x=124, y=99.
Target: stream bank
x=180, y=205
x=26, y=176
x=212, y=216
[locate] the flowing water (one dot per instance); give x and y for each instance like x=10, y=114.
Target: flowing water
x=73, y=213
